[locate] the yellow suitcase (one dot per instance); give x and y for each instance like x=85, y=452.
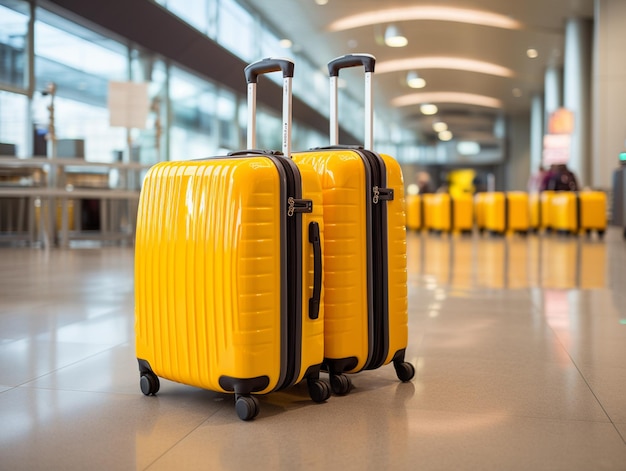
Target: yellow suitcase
x=545, y=210
x=564, y=212
x=575, y=212
x=534, y=212
x=228, y=271
x=413, y=212
x=440, y=211
x=365, y=271
x=592, y=208
x=462, y=213
x=506, y=212
x=479, y=211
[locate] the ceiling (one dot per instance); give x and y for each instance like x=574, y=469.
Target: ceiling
x=316, y=31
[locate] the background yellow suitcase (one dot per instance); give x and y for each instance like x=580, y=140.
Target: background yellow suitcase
x=479, y=211
x=413, y=212
x=228, y=271
x=506, y=212
x=365, y=287
x=440, y=213
x=575, y=212
x=462, y=213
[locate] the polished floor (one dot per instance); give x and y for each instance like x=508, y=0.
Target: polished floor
x=519, y=346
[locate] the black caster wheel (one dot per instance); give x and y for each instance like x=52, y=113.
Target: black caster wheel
x=340, y=384
x=405, y=371
x=149, y=384
x=247, y=407
x=600, y=234
x=319, y=390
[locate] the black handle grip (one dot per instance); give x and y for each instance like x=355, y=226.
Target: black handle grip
x=265, y=66
x=314, y=300
x=368, y=61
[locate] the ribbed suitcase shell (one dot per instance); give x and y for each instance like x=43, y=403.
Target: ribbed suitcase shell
x=348, y=273
x=210, y=274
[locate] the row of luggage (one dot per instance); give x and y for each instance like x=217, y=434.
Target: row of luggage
x=261, y=269
x=499, y=213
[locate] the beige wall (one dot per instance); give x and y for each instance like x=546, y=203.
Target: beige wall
x=609, y=90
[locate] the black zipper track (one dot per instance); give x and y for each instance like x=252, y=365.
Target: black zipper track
x=293, y=275
x=379, y=273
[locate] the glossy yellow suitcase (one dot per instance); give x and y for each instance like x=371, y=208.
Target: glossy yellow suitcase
x=545, y=210
x=506, y=212
x=228, y=270
x=414, y=212
x=479, y=211
x=365, y=272
x=564, y=212
x=440, y=213
x=575, y=212
x=462, y=213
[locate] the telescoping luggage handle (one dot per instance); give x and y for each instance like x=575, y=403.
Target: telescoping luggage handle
x=265, y=66
x=368, y=62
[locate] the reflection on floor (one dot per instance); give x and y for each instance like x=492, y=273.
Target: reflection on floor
x=519, y=345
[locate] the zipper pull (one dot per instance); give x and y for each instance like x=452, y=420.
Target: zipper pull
x=299, y=206
x=384, y=194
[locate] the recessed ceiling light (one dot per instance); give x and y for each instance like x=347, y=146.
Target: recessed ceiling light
x=429, y=109
x=413, y=80
x=440, y=126
x=285, y=43
x=321, y=2
x=394, y=38
x=445, y=135
x=532, y=53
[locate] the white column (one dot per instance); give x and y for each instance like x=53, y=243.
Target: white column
x=536, y=132
x=553, y=95
x=576, y=93
x=609, y=91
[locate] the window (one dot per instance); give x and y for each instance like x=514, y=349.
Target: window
x=13, y=40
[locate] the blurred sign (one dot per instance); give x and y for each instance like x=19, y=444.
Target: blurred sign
x=556, y=149
x=128, y=104
x=561, y=122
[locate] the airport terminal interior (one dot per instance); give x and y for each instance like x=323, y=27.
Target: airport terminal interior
x=516, y=314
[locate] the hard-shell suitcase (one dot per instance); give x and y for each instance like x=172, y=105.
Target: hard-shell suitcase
x=506, y=212
x=545, y=210
x=479, y=211
x=462, y=213
x=414, y=212
x=573, y=212
x=365, y=272
x=439, y=213
x=228, y=269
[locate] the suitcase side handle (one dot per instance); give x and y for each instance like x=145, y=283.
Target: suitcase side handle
x=314, y=300
x=368, y=62
x=252, y=72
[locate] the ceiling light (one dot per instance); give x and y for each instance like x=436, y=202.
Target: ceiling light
x=285, y=43
x=428, y=109
x=413, y=80
x=321, y=2
x=446, y=97
x=394, y=38
x=443, y=62
x=444, y=135
x=532, y=53
x=440, y=126
x=517, y=92
x=433, y=13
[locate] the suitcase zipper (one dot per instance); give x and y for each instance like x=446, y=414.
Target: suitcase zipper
x=380, y=325
x=295, y=207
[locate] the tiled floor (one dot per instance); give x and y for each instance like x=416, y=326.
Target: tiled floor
x=519, y=346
